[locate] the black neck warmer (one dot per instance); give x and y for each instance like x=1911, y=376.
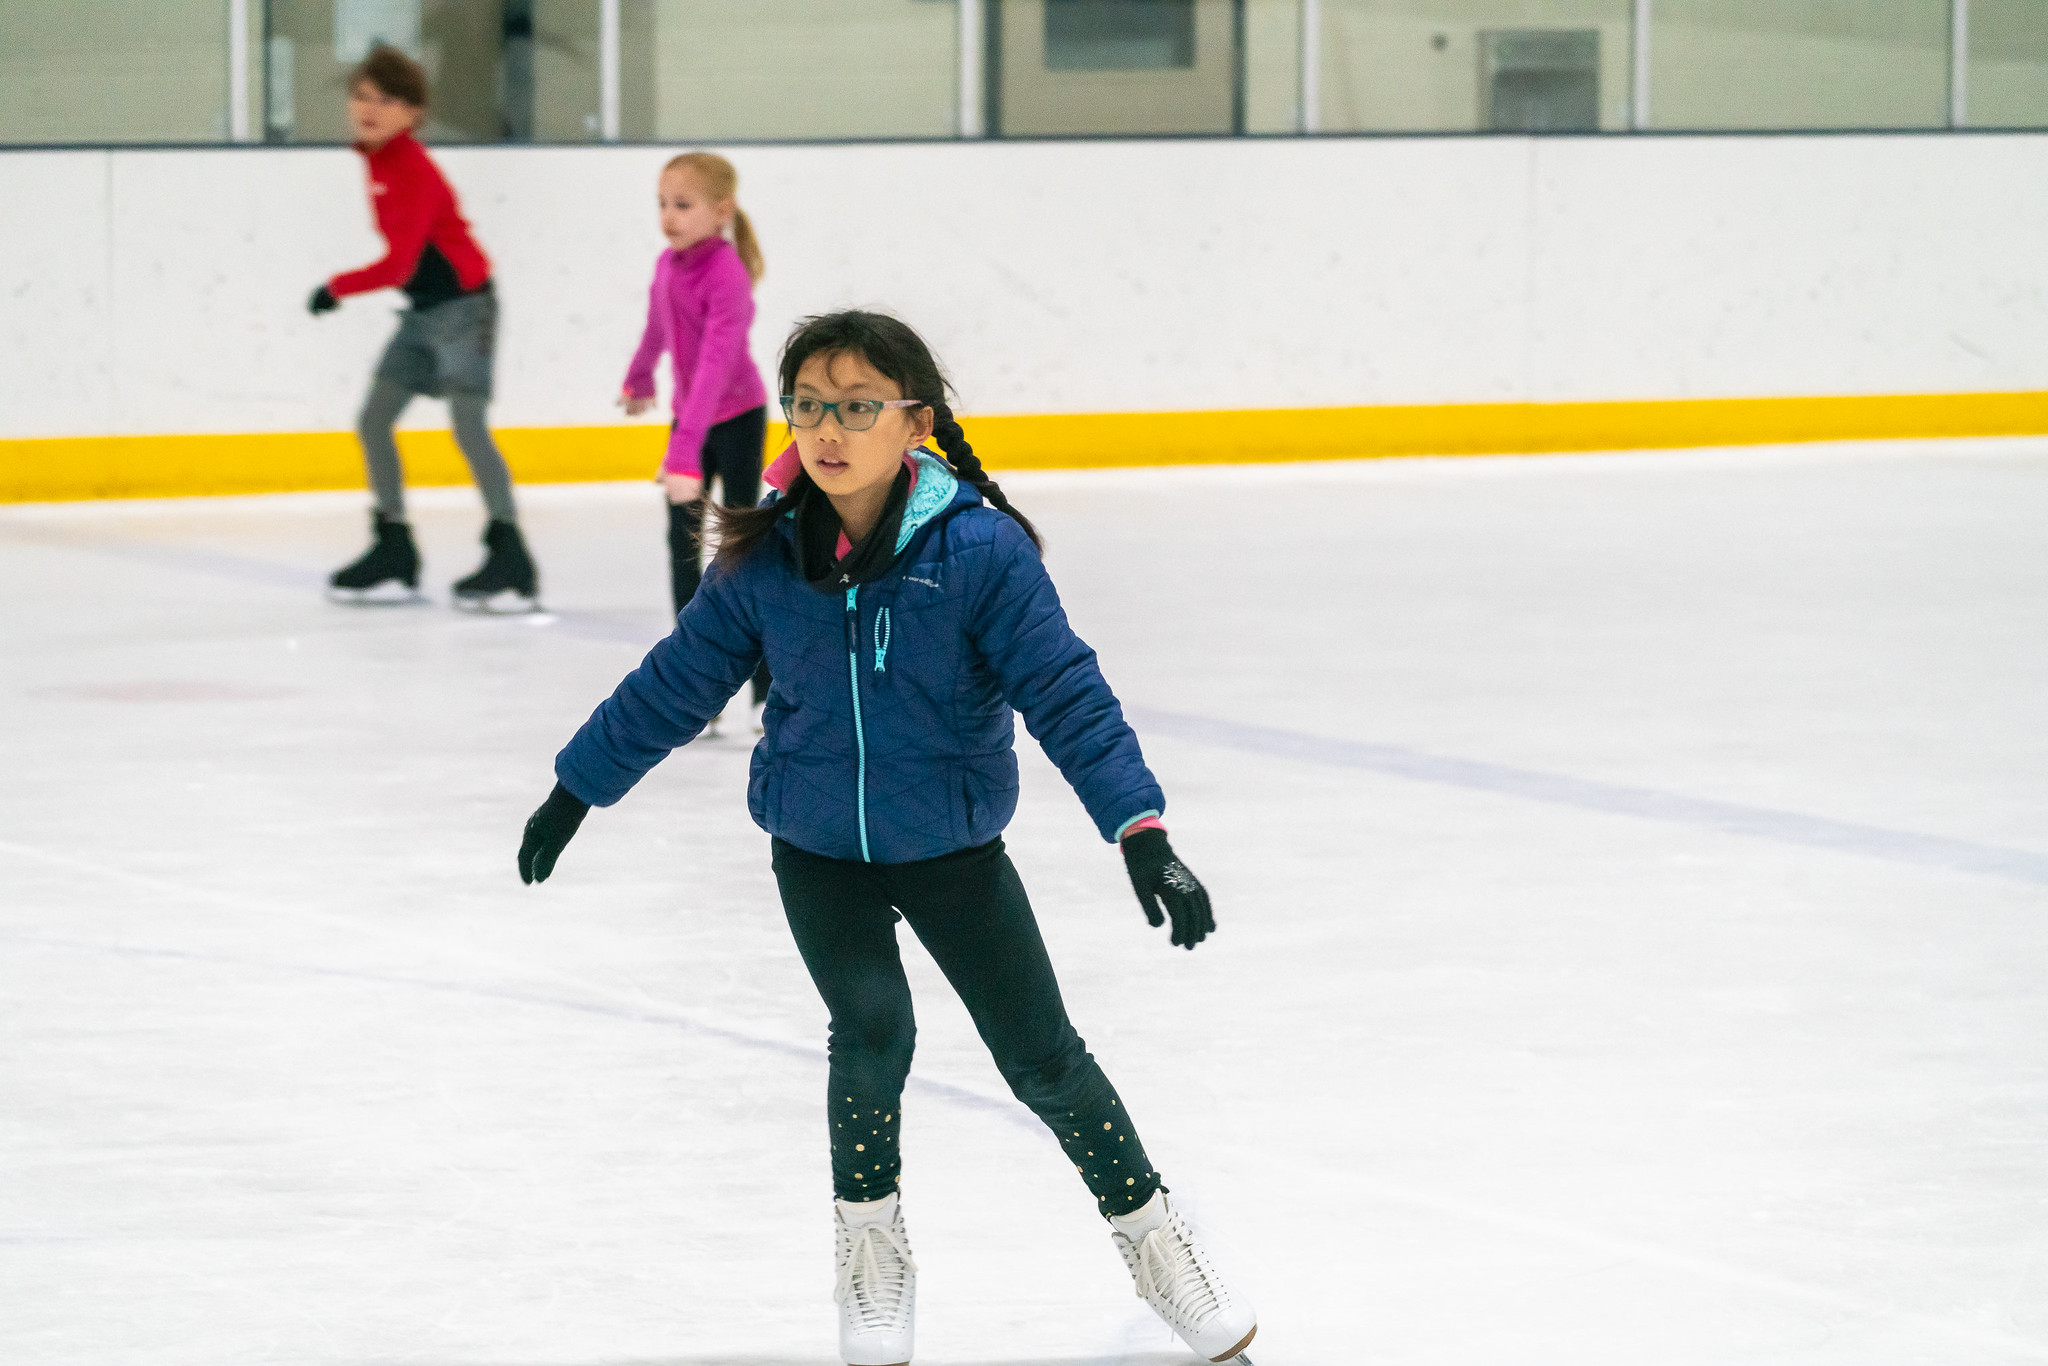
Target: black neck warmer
x=817, y=536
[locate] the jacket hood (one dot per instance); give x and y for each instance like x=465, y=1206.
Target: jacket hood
x=936, y=495
x=937, y=489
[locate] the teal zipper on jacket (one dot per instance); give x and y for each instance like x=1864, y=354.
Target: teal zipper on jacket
x=860, y=738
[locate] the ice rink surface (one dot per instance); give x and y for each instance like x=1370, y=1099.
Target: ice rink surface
x=1632, y=874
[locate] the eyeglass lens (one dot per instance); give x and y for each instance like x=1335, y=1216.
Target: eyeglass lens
x=854, y=414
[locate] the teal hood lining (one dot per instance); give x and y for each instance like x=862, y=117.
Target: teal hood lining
x=936, y=485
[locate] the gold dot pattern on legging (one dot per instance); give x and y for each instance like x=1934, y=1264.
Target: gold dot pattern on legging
x=1118, y=1174
x=867, y=1169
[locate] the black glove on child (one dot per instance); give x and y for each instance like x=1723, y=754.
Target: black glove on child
x=548, y=832
x=1161, y=879
x=323, y=301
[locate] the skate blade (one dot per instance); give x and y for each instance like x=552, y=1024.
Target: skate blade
x=381, y=595
x=506, y=603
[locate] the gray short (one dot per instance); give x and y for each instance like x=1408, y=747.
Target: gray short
x=444, y=349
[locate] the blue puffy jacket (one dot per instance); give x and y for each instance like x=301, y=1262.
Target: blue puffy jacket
x=888, y=732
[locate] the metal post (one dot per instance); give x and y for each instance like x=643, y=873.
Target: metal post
x=1311, y=66
x=608, y=69
x=1639, y=72
x=1238, y=72
x=1959, y=63
x=238, y=71
x=971, y=58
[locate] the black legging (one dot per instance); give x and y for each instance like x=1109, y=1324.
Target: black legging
x=732, y=455
x=970, y=912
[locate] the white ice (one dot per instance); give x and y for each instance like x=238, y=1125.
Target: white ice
x=1632, y=874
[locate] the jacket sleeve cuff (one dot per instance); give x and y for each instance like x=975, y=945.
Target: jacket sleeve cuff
x=1144, y=820
x=685, y=454
x=569, y=781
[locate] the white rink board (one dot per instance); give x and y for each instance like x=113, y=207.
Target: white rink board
x=163, y=291
x=297, y=1072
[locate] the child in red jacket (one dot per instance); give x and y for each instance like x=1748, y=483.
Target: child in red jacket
x=443, y=348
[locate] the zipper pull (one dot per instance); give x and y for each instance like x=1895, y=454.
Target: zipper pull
x=882, y=641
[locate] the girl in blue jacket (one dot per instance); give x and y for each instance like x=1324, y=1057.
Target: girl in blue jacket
x=903, y=610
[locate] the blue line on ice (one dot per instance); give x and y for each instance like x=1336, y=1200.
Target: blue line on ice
x=1006, y=1109
x=1558, y=789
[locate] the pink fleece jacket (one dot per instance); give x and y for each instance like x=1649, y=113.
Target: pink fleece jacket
x=698, y=311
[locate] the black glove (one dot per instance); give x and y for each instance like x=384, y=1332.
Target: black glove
x=548, y=832
x=1161, y=879
x=323, y=301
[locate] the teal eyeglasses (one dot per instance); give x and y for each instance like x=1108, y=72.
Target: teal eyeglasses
x=853, y=414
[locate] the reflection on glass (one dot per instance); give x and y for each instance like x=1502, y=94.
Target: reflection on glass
x=1119, y=35
x=1113, y=66
x=502, y=70
x=1534, y=80
x=360, y=25
x=706, y=70
x=1272, y=66
x=109, y=71
x=2008, y=71
x=710, y=70
x=566, y=82
x=1468, y=65
x=1799, y=63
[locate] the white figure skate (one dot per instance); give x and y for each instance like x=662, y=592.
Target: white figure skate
x=1172, y=1274
x=877, y=1289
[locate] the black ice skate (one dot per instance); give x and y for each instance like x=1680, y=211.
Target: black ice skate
x=507, y=581
x=388, y=572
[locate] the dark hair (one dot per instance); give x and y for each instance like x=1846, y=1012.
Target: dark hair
x=394, y=73
x=899, y=354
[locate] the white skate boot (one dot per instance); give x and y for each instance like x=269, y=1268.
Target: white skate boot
x=1173, y=1275
x=877, y=1290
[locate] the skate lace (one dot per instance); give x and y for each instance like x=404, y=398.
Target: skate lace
x=1170, y=1268
x=874, y=1274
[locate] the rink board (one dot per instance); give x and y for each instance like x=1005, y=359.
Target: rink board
x=71, y=468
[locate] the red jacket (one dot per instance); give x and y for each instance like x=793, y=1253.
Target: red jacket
x=415, y=209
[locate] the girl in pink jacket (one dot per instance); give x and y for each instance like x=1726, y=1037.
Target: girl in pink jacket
x=698, y=311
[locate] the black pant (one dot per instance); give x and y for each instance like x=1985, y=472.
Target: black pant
x=970, y=912
x=732, y=455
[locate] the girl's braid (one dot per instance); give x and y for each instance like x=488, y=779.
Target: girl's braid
x=946, y=431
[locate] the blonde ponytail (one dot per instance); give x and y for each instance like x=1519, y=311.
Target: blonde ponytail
x=722, y=182
x=749, y=249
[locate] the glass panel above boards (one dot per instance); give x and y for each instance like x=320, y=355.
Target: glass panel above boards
x=703, y=70
x=500, y=70
x=87, y=72
x=105, y=71
x=1791, y=64
x=2006, y=76
x=1560, y=66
